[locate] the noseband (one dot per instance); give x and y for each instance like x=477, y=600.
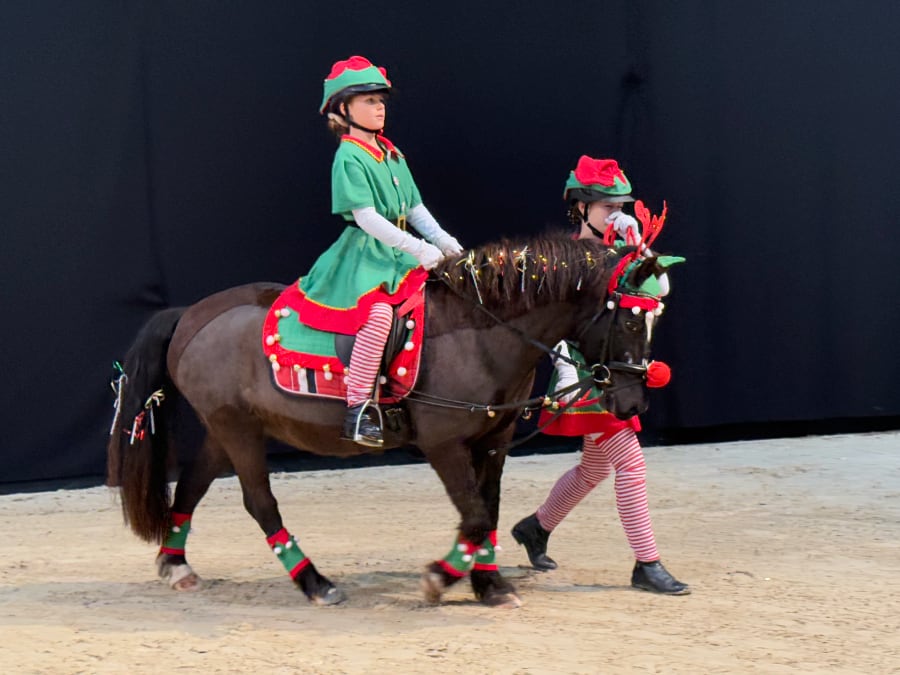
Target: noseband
x=602, y=372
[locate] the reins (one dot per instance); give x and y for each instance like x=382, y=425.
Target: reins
x=527, y=406
x=513, y=329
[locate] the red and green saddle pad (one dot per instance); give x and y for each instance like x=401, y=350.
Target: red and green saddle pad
x=304, y=360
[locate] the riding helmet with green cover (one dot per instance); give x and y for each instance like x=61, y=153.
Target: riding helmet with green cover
x=597, y=180
x=356, y=75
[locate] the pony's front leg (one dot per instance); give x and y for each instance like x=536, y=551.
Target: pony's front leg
x=489, y=585
x=454, y=465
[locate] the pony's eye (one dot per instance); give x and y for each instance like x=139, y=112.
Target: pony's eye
x=634, y=326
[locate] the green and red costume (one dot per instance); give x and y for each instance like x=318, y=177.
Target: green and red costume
x=358, y=269
x=584, y=416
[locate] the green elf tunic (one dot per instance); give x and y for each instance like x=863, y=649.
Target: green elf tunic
x=584, y=416
x=358, y=269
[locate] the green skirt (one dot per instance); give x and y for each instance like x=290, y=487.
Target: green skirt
x=355, y=272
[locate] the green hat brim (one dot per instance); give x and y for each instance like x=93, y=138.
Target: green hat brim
x=588, y=196
x=617, y=193
x=368, y=79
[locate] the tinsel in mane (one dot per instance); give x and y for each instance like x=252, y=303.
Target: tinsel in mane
x=514, y=276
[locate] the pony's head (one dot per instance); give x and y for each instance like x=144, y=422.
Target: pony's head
x=615, y=340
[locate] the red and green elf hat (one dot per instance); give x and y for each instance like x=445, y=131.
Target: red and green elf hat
x=597, y=180
x=353, y=76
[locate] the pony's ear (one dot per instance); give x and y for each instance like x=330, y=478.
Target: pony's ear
x=650, y=276
x=666, y=261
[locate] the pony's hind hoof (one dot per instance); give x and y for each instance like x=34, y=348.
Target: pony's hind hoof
x=187, y=584
x=333, y=596
x=179, y=577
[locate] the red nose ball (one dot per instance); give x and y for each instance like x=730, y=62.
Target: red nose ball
x=658, y=374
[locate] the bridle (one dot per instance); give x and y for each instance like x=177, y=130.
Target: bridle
x=604, y=369
x=599, y=374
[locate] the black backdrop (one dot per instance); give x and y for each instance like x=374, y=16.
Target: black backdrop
x=155, y=151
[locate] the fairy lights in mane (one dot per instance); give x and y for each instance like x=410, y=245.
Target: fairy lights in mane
x=525, y=273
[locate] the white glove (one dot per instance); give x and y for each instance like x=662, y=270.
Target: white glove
x=382, y=229
x=622, y=223
x=448, y=244
x=421, y=219
x=427, y=254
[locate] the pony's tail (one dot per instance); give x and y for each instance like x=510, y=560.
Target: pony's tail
x=139, y=449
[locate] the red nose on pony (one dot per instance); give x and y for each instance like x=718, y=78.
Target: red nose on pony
x=658, y=374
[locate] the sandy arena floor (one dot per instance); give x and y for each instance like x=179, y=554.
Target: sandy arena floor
x=791, y=547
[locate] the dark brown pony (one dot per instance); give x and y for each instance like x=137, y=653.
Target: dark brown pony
x=488, y=317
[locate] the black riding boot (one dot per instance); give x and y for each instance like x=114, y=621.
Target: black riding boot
x=362, y=425
x=653, y=577
x=529, y=533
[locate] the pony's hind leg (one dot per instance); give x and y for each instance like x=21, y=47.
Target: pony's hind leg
x=195, y=479
x=246, y=450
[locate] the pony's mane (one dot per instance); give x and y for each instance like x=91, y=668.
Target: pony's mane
x=520, y=274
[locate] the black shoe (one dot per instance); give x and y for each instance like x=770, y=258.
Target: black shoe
x=362, y=425
x=653, y=577
x=529, y=533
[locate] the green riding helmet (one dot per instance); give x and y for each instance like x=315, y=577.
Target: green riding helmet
x=356, y=75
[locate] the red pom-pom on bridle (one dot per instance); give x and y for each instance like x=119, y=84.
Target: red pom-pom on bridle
x=658, y=374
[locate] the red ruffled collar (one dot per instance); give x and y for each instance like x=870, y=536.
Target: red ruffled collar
x=376, y=152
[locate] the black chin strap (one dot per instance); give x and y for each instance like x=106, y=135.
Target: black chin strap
x=584, y=216
x=353, y=124
x=597, y=233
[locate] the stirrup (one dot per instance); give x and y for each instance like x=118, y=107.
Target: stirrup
x=356, y=437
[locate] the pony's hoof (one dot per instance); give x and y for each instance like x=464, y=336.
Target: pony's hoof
x=179, y=577
x=432, y=585
x=188, y=584
x=503, y=600
x=332, y=596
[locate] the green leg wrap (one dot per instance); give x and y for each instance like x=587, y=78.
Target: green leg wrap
x=176, y=539
x=285, y=547
x=485, y=556
x=461, y=559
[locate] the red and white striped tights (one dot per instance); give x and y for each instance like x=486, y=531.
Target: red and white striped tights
x=600, y=456
x=367, y=352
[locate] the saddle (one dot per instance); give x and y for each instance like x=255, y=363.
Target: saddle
x=310, y=362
